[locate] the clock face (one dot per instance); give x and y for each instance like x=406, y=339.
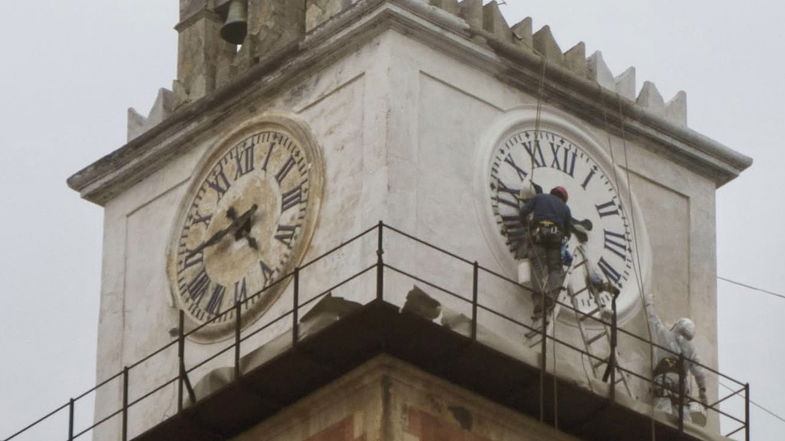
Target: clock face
x=548, y=159
x=245, y=222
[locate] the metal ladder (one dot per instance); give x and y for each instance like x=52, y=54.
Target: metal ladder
x=594, y=341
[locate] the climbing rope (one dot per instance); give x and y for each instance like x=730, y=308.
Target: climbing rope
x=636, y=254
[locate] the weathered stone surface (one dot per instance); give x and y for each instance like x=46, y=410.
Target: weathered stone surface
x=450, y=6
x=625, y=83
x=319, y=11
x=494, y=22
x=546, y=45
x=522, y=32
x=600, y=72
x=650, y=98
x=200, y=50
x=575, y=60
x=471, y=11
x=162, y=108
x=676, y=109
x=386, y=399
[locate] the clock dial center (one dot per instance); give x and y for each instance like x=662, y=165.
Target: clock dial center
x=250, y=209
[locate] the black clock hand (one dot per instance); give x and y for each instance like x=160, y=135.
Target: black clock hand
x=237, y=222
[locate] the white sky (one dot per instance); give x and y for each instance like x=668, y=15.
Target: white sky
x=71, y=68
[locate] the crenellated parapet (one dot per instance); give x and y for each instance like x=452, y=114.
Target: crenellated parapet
x=206, y=62
x=489, y=19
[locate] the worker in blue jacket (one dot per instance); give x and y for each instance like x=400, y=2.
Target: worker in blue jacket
x=548, y=218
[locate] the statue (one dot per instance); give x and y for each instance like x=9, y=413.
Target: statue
x=678, y=339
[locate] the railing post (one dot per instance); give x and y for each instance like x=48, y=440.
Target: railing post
x=747, y=411
x=681, y=392
x=544, y=359
x=237, y=327
x=295, y=310
x=181, y=359
x=380, y=264
x=125, y=403
x=614, y=342
x=71, y=419
x=475, y=283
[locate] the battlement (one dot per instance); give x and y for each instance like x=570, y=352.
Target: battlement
x=206, y=62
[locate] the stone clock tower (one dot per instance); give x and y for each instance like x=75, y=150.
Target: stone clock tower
x=232, y=219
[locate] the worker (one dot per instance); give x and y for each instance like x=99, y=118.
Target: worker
x=548, y=227
x=678, y=341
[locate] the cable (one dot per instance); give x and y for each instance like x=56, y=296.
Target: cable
x=771, y=293
x=756, y=404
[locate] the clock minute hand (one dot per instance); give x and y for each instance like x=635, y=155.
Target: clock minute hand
x=237, y=222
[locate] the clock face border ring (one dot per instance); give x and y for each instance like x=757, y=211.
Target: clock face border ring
x=278, y=122
x=525, y=118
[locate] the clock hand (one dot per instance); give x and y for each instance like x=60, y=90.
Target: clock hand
x=237, y=222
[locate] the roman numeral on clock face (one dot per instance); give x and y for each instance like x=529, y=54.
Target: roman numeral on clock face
x=607, y=209
x=534, y=150
x=616, y=243
x=245, y=161
x=219, y=183
x=285, y=170
x=216, y=300
x=198, y=286
x=292, y=197
x=199, y=219
x=240, y=291
x=285, y=234
x=521, y=172
x=563, y=159
x=192, y=259
x=610, y=272
x=267, y=272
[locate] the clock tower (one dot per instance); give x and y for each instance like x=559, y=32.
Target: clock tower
x=249, y=290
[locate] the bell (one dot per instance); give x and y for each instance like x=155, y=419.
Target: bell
x=235, y=28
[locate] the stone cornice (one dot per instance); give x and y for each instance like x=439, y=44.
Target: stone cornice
x=110, y=175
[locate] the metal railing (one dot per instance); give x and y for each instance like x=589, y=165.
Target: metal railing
x=475, y=302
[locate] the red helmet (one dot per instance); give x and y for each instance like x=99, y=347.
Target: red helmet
x=560, y=192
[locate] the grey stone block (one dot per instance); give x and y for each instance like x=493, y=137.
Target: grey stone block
x=494, y=22
x=625, y=83
x=600, y=72
x=546, y=45
x=575, y=60
x=651, y=99
x=522, y=32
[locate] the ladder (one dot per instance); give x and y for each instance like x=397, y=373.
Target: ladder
x=595, y=341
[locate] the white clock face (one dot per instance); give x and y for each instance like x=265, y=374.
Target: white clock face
x=548, y=159
x=245, y=223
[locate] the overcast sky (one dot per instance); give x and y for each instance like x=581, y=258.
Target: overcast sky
x=70, y=70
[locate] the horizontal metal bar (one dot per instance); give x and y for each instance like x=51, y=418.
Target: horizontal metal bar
x=728, y=397
x=429, y=245
x=157, y=389
x=98, y=423
x=337, y=285
x=334, y=249
x=418, y=279
x=38, y=421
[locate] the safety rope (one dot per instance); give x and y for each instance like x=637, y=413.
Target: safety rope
x=636, y=262
x=538, y=115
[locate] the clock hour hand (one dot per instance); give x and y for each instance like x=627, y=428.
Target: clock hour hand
x=237, y=223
